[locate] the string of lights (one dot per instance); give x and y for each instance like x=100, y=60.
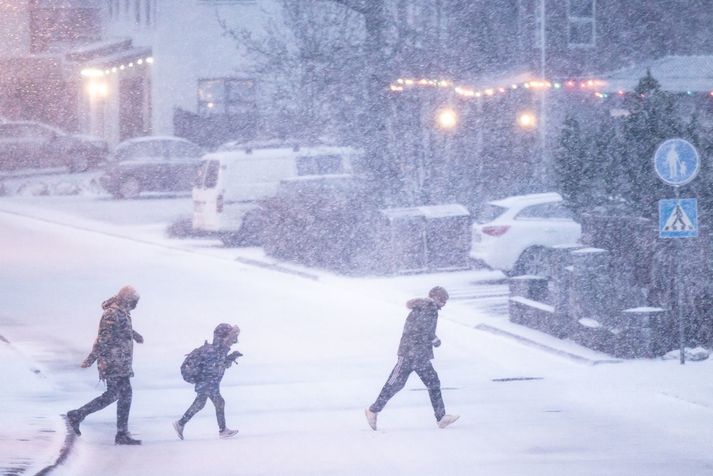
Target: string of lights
x=98, y=72
x=589, y=86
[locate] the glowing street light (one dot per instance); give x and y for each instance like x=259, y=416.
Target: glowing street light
x=527, y=120
x=447, y=118
x=97, y=89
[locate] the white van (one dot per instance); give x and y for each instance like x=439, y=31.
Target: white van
x=231, y=182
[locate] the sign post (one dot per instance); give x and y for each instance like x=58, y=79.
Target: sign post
x=676, y=163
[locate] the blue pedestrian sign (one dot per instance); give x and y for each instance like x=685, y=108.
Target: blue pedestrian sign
x=676, y=162
x=678, y=218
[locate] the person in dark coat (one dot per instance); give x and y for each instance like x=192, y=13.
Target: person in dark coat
x=214, y=360
x=113, y=351
x=414, y=355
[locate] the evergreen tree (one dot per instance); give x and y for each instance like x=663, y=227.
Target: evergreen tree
x=572, y=161
x=653, y=119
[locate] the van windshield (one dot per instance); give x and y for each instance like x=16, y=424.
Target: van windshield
x=207, y=174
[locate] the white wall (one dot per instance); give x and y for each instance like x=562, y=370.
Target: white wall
x=188, y=44
x=14, y=28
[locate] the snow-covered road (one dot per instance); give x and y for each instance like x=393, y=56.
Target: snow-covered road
x=316, y=353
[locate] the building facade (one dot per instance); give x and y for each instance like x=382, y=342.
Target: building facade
x=201, y=85
x=55, y=67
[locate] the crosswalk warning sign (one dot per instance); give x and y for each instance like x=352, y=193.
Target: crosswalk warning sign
x=678, y=218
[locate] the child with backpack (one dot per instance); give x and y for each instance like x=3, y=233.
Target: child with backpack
x=205, y=367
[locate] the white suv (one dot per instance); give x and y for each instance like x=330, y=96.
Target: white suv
x=510, y=233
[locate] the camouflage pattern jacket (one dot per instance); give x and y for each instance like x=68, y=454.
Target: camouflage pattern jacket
x=419, y=331
x=114, y=346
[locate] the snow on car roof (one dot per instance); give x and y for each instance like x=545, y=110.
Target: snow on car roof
x=277, y=153
x=136, y=140
x=529, y=199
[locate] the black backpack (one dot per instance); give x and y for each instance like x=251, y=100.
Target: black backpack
x=192, y=366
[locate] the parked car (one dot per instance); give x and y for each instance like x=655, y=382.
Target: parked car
x=151, y=164
x=232, y=181
x=510, y=233
x=28, y=144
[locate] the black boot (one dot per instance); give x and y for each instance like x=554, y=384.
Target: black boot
x=74, y=419
x=124, y=438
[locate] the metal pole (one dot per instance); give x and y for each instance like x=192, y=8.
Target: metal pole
x=543, y=104
x=677, y=287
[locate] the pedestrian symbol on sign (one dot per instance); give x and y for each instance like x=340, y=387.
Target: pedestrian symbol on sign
x=678, y=218
x=676, y=162
x=678, y=221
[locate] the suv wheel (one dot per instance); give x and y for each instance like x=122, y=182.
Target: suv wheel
x=130, y=187
x=532, y=261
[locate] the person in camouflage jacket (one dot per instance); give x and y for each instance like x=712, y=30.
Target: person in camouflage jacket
x=214, y=359
x=414, y=355
x=113, y=351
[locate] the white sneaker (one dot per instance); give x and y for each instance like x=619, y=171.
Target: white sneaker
x=370, y=418
x=227, y=433
x=179, y=428
x=447, y=420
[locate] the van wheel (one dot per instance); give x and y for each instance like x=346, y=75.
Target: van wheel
x=251, y=230
x=230, y=239
x=130, y=187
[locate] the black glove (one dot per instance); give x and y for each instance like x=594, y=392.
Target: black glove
x=234, y=355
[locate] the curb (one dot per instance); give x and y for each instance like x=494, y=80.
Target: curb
x=67, y=446
x=276, y=267
x=552, y=350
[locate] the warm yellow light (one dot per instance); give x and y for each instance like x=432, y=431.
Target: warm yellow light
x=526, y=120
x=92, y=73
x=447, y=118
x=97, y=89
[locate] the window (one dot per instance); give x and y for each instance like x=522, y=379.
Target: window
x=319, y=165
x=581, y=23
x=489, y=213
x=178, y=149
x=549, y=211
x=140, y=150
x=226, y=96
x=207, y=174
x=139, y=12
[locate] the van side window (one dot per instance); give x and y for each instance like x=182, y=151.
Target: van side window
x=211, y=174
x=319, y=165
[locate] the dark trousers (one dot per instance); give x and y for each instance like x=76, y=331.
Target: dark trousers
x=398, y=378
x=117, y=389
x=199, y=403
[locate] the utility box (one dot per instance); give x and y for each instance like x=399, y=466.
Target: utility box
x=448, y=236
x=425, y=238
x=403, y=240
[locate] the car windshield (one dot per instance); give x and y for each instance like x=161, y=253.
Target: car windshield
x=180, y=149
x=489, y=213
x=207, y=176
